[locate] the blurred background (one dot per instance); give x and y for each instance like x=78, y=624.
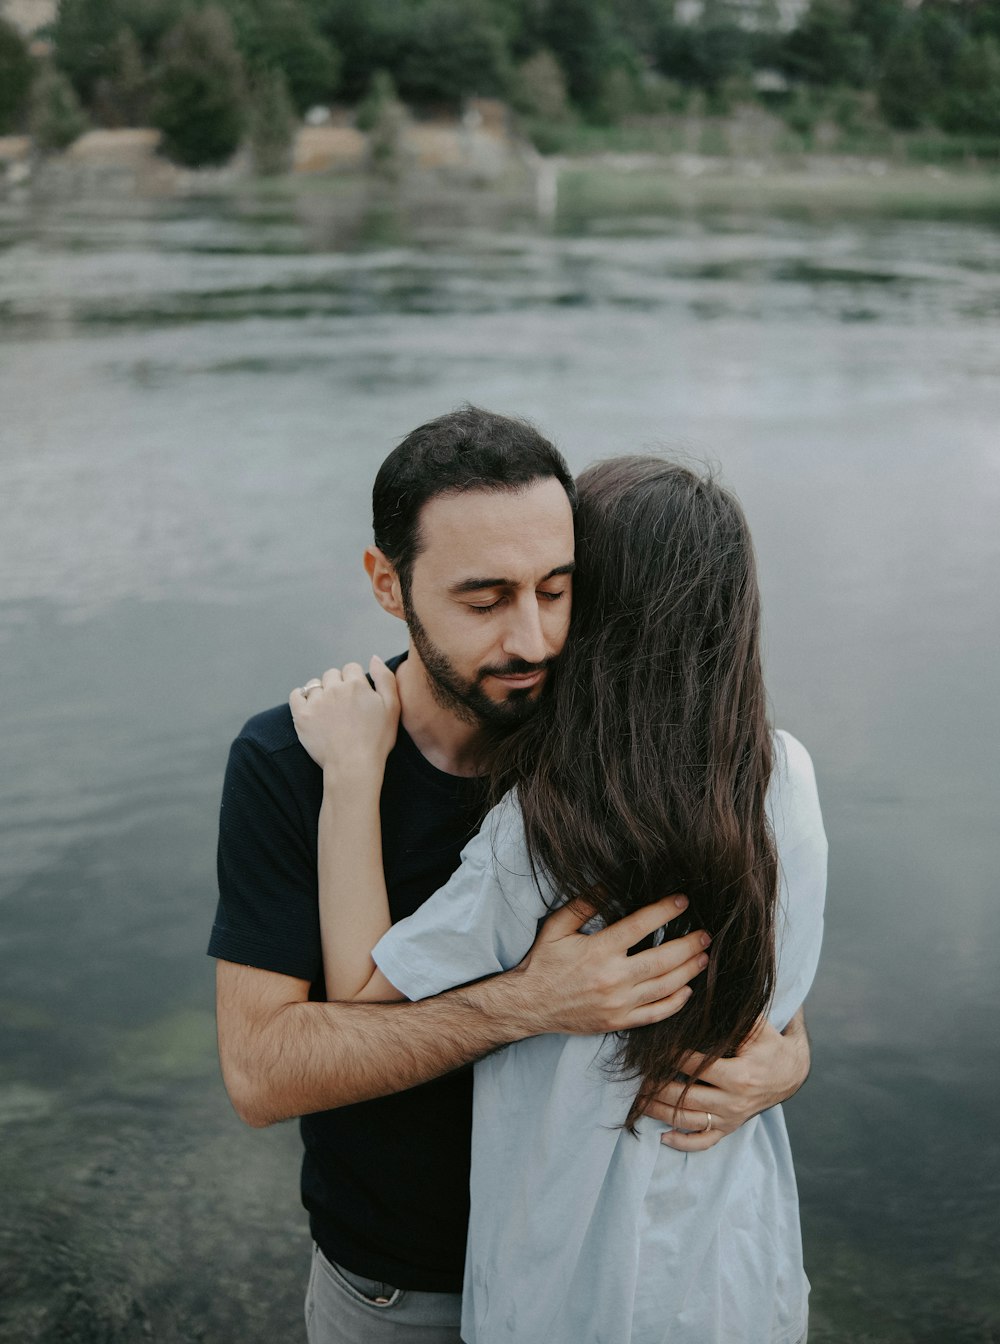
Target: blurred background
x=244, y=248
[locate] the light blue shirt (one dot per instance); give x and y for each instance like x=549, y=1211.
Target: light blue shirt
x=580, y=1232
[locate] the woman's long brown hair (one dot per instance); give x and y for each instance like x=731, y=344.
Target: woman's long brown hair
x=646, y=772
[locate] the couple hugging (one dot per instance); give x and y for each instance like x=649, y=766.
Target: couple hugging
x=566, y=800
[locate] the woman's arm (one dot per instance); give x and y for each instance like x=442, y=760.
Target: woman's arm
x=349, y=730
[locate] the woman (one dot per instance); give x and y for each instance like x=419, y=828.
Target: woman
x=651, y=768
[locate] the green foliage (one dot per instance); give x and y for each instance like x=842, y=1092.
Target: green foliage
x=540, y=88
x=621, y=93
x=121, y=97
x=370, y=37
x=826, y=47
x=272, y=124
x=581, y=35
x=383, y=116
x=972, y=104
x=56, y=118
x=907, y=82
x=86, y=36
x=454, y=49
x=281, y=34
x=15, y=77
x=199, y=104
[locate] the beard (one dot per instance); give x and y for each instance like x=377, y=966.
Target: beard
x=466, y=698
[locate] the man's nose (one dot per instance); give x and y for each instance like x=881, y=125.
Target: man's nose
x=524, y=637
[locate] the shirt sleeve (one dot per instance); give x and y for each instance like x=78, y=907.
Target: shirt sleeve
x=482, y=921
x=793, y=806
x=268, y=911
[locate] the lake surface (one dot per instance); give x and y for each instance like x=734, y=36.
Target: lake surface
x=194, y=398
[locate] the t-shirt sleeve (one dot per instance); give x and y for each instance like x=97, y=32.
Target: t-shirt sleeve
x=268, y=911
x=793, y=805
x=482, y=921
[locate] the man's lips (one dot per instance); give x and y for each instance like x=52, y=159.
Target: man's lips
x=519, y=680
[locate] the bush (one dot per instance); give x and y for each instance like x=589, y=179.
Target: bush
x=15, y=77
x=383, y=116
x=279, y=33
x=121, y=98
x=369, y=37
x=200, y=102
x=825, y=47
x=273, y=124
x=972, y=104
x=454, y=50
x=907, y=83
x=56, y=118
x=540, y=88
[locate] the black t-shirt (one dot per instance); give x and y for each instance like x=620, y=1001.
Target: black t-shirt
x=386, y=1182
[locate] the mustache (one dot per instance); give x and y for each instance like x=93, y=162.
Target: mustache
x=515, y=668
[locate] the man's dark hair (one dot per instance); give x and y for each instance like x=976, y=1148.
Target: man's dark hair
x=467, y=449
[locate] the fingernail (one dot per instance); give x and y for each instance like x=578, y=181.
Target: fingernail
x=703, y=960
x=705, y=940
x=681, y=902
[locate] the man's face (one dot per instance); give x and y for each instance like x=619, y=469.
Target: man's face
x=489, y=602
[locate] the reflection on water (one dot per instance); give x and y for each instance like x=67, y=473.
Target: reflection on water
x=194, y=398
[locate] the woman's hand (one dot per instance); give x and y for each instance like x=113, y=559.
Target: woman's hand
x=345, y=726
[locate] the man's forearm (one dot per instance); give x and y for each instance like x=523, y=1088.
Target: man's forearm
x=310, y=1056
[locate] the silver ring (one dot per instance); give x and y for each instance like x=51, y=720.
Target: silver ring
x=708, y=1122
x=313, y=685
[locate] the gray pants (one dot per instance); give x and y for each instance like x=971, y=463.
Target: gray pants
x=344, y=1308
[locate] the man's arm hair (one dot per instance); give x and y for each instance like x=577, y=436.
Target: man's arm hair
x=283, y=1055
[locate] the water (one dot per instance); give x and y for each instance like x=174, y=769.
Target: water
x=193, y=401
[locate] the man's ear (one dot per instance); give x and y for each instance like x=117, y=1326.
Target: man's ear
x=385, y=582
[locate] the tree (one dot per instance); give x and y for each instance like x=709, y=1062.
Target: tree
x=582, y=36
x=281, y=34
x=383, y=117
x=200, y=104
x=972, y=104
x=87, y=38
x=56, y=118
x=272, y=123
x=121, y=97
x=826, y=46
x=454, y=49
x=540, y=87
x=15, y=76
x=370, y=37
x=907, y=83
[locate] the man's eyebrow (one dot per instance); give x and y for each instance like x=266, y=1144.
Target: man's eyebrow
x=476, y=585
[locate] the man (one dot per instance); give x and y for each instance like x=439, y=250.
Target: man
x=474, y=550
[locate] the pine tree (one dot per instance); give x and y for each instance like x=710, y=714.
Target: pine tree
x=56, y=118
x=15, y=77
x=272, y=124
x=200, y=103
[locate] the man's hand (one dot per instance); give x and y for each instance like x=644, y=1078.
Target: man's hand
x=770, y=1068
x=588, y=984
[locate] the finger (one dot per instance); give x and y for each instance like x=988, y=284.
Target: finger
x=568, y=919
x=661, y=985
x=641, y=923
x=691, y=1143
x=648, y=1013
x=694, y=1121
x=353, y=672
x=657, y=961
x=385, y=681
x=331, y=677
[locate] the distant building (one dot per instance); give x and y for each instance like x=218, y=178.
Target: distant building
x=28, y=15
